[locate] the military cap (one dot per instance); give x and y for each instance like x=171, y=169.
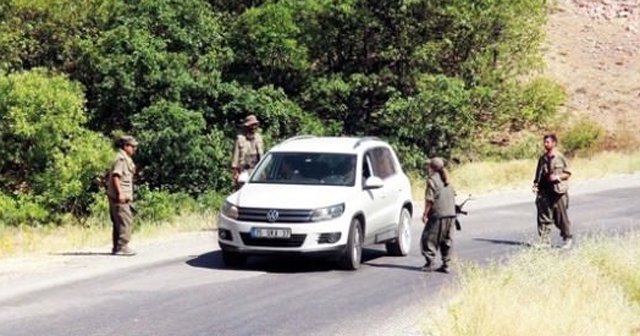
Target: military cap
x=127, y=140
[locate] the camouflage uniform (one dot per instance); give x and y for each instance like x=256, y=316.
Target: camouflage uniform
x=552, y=200
x=247, y=152
x=438, y=231
x=121, y=212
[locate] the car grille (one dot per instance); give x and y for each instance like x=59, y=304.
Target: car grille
x=284, y=215
x=296, y=240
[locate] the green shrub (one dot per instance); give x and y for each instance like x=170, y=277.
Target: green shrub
x=154, y=206
x=52, y=158
x=21, y=211
x=582, y=138
x=436, y=120
x=174, y=151
x=161, y=206
x=540, y=101
x=210, y=201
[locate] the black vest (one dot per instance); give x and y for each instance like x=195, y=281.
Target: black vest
x=444, y=201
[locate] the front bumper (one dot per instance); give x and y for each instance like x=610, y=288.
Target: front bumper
x=306, y=238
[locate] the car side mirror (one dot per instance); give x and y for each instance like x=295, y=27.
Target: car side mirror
x=243, y=177
x=373, y=182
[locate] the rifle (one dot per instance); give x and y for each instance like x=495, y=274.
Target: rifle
x=459, y=210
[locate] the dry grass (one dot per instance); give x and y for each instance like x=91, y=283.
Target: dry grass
x=593, y=290
x=482, y=177
x=27, y=240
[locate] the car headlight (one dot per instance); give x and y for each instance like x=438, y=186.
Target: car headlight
x=229, y=210
x=327, y=213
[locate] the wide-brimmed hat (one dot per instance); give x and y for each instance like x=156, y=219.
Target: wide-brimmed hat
x=251, y=120
x=127, y=140
x=436, y=163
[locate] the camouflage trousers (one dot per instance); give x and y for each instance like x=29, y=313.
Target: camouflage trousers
x=437, y=235
x=122, y=220
x=552, y=210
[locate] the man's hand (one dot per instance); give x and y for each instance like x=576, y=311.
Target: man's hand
x=425, y=218
x=554, y=178
x=122, y=199
x=534, y=188
x=236, y=174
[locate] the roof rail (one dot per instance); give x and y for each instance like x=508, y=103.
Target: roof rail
x=361, y=140
x=298, y=137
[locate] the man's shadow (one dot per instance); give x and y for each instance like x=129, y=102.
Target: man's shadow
x=278, y=264
x=504, y=242
x=82, y=254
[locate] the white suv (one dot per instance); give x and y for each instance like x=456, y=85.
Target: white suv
x=319, y=195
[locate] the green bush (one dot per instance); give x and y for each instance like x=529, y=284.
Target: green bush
x=436, y=121
x=540, y=100
x=162, y=206
x=267, y=47
x=51, y=158
x=582, y=138
x=146, y=51
x=175, y=153
x=210, y=201
x=155, y=206
x=21, y=211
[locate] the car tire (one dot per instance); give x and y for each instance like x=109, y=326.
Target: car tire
x=352, y=255
x=402, y=244
x=233, y=259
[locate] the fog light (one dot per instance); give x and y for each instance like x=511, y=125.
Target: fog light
x=329, y=238
x=224, y=234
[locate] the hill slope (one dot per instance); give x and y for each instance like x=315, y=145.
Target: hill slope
x=593, y=49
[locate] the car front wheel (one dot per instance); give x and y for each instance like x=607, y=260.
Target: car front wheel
x=352, y=255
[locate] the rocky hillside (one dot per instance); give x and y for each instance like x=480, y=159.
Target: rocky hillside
x=593, y=49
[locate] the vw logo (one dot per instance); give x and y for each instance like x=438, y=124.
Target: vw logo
x=272, y=215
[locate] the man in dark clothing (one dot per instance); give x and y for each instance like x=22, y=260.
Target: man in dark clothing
x=439, y=216
x=552, y=200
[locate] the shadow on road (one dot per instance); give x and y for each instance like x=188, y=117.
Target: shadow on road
x=82, y=254
x=503, y=242
x=417, y=268
x=278, y=264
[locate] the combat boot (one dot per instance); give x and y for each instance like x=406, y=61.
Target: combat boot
x=567, y=244
x=543, y=243
x=124, y=251
x=443, y=269
x=427, y=267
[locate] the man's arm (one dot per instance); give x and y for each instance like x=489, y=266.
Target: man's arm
x=427, y=209
x=537, y=178
x=117, y=172
x=235, y=161
x=117, y=186
x=565, y=174
x=429, y=196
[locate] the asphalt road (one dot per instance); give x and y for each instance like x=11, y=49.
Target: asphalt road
x=196, y=295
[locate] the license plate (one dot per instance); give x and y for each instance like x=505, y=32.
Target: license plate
x=271, y=233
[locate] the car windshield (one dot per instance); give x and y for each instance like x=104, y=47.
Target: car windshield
x=307, y=168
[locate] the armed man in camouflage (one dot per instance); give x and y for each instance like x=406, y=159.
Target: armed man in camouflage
x=248, y=149
x=552, y=200
x=439, y=216
x=120, y=192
